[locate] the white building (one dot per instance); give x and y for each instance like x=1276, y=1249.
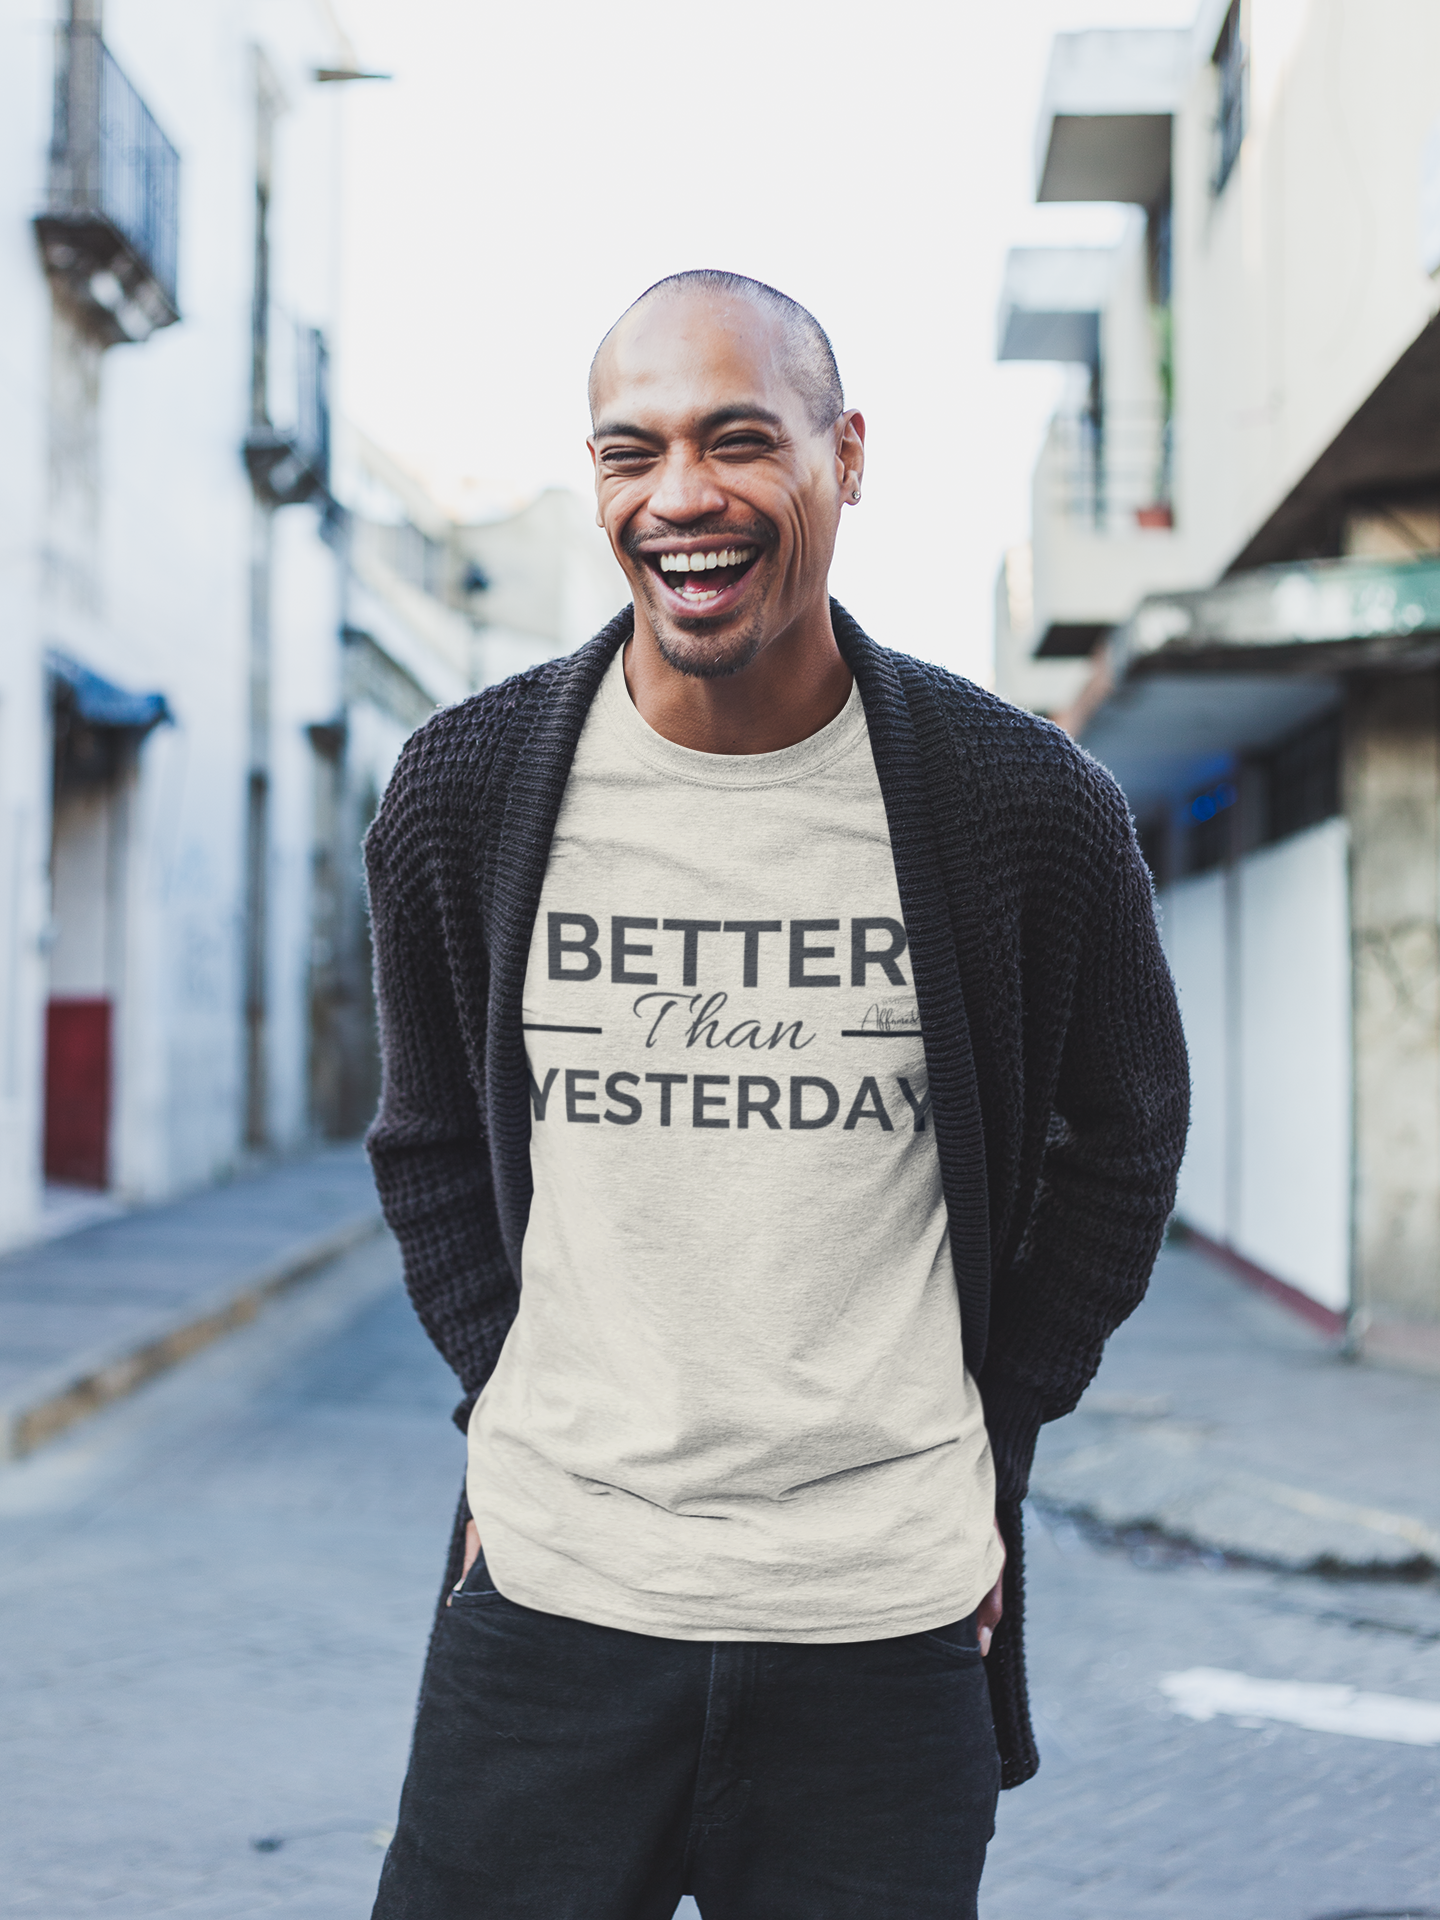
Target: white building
x=432, y=607
x=1235, y=600
x=209, y=662
x=154, y=857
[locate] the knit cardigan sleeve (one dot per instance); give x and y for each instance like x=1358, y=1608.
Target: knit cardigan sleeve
x=428, y=1143
x=1116, y=1135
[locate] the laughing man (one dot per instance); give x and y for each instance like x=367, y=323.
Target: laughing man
x=783, y=1097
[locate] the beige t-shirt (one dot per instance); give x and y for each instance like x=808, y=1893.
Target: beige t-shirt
x=733, y=1404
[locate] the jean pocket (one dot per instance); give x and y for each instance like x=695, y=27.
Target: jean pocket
x=960, y=1639
x=475, y=1588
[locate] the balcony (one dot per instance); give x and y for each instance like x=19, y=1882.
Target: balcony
x=289, y=462
x=411, y=555
x=110, y=231
x=1105, y=124
x=1111, y=472
x=1103, y=530
x=1051, y=302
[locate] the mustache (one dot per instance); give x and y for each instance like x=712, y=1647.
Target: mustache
x=758, y=533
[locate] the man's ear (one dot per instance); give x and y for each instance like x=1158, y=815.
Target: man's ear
x=850, y=454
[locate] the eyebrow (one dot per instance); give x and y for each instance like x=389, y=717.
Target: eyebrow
x=721, y=417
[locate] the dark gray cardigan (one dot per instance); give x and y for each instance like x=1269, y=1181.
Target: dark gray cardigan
x=1057, y=1065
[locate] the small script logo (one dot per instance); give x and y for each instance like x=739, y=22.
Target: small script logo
x=902, y=1016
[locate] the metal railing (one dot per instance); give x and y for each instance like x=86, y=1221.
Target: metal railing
x=108, y=158
x=288, y=454
x=312, y=401
x=406, y=551
x=1113, y=473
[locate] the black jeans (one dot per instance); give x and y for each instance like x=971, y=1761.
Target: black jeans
x=563, y=1771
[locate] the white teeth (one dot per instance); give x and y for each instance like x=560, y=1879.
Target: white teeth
x=706, y=562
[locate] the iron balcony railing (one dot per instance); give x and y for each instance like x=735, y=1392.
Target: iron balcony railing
x=404, y=550
x=111, y=227
x=289, y=456
x=1112, y=474
x=312, y=401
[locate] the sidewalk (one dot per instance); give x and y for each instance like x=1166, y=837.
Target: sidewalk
x=1221, y=1419
x=1218, y=1417
x=88, y=1317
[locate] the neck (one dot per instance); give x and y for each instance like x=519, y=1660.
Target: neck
x=793, y=687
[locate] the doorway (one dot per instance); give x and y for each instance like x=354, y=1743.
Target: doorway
x=98, y=729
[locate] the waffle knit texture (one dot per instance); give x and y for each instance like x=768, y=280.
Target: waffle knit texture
x=1058, y=1078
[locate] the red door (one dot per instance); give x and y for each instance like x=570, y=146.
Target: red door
x=77, y=1092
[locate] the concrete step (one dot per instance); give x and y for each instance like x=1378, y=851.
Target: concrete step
x=1220, y=1420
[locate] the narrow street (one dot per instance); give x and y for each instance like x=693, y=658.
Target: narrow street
x=1142, y=1813
x=213, y=1613
x=214, y=1601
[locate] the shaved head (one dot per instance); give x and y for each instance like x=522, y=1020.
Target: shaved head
x=809, y=358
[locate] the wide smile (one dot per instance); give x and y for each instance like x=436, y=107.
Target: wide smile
x=707, y=579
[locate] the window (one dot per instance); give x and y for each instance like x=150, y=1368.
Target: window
x=1261, y=800
x=1303, y=779
x=1209, y=827
x=1230, y=65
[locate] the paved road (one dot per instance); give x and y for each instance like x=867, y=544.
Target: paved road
x=1140, y=1813
x=213, y=1601
x=212, y=1612
x=1224, y=1418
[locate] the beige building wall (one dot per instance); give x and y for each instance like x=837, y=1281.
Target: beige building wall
x=1392, y=791
x=1299, y=286
x=1309, y=969
x=1044, y=686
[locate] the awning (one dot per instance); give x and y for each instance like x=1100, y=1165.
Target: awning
x=1105, y=118
x=1232, y=669
x=1051, y=301
x=1162, y=736
x=100, y=703
x=1316, y=616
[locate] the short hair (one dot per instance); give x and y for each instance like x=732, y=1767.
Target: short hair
x=809, y=356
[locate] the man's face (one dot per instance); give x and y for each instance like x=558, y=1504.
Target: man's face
x=720, y=498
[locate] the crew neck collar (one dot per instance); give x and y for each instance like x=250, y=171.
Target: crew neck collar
x=618, y=712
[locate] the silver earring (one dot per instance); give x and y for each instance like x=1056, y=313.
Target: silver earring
x=855, y=493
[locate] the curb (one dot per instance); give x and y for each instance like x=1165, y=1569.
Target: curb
x=1163, y=1543
x=1242, y=1516
x=72, y=1392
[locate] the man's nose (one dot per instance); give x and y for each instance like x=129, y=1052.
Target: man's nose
x=685, y=491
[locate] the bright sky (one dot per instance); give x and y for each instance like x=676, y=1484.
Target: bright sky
x=533, y=167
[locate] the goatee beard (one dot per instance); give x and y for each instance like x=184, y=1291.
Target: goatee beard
x=738, y=652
